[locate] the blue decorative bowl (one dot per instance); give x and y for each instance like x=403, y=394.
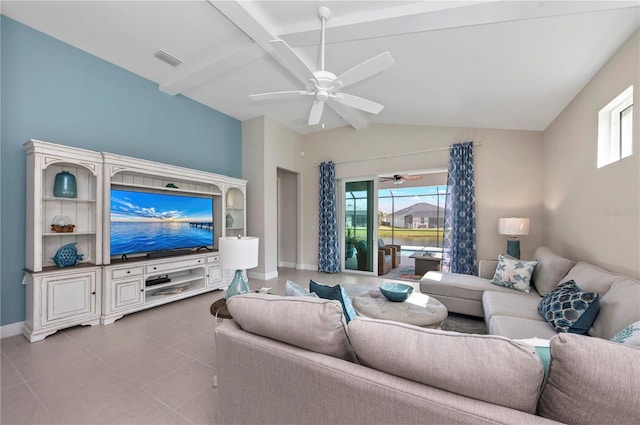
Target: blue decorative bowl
x=396, y=291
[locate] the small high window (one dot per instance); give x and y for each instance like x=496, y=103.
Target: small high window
x=615, y=129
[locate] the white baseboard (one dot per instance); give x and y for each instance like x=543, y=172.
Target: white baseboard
x=287, y=264
x=307, y=267
x=11, y=330
x=262, y=276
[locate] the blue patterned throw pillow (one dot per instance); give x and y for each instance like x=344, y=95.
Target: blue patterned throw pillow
x=569, y=309
x=513, y=273
x=629, y=335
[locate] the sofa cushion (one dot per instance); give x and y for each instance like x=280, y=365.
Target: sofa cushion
x=629, y=335
x=458, y=285
x=514, y=304
x=334, y=293
x=311, y=323
x=551, y=268
x=591, y=381
x=569, y=309
x=514, y=273
x=619, y=307
x=592, y=278
x=519, y=328
x=465, y=364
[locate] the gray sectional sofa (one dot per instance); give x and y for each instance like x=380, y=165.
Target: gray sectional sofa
x=294, y=360
x=513, y=314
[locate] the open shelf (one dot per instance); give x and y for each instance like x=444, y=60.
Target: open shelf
x=179, y=278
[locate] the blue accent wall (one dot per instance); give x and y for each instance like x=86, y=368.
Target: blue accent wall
x=54, y=92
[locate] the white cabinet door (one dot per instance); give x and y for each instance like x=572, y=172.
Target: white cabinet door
x=214, y=276
x=68, y=297
x=127, y=293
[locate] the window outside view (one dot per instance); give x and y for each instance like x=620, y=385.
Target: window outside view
x=410, y=230
x=412, y=217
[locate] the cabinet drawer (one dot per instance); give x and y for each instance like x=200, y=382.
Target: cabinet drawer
x=131, y=271
x=182, y=264
x=213, y=259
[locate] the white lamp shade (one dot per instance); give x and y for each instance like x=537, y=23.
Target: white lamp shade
x=238, y=254
x=513, y=226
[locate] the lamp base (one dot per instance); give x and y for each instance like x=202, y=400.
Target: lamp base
x=513, y=248
x=239, y=285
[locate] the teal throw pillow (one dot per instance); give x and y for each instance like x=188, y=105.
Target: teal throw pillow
x=514, y=273
x=542, y=350
x=629, y=335
x=334, y=293
x=569, y=309
x=292, y=289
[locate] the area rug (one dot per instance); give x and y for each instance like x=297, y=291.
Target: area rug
x=464, y=324
x=404, y=273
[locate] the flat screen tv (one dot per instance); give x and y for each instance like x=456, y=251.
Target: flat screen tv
x=144, y=222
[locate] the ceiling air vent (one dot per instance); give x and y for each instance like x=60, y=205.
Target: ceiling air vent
x=166, y=57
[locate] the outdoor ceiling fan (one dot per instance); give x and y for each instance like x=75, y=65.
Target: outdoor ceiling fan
x=400, y=178
x=325, y=86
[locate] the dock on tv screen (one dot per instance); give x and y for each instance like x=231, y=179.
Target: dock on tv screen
x=143, y=222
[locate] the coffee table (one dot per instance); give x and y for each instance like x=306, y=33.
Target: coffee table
x=419, y=309
x=426, y=261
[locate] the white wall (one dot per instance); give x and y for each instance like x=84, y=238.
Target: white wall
x=592, y=214
x=267, y=146
x=508, y=170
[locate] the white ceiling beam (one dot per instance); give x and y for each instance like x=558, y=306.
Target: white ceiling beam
x=249, y=21
x=189, y=76
x=425, y=16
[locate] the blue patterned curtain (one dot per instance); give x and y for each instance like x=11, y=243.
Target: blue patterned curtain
x=459, y=245
x=328, y=244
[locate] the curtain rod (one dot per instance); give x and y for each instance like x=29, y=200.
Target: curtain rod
x=397, y=154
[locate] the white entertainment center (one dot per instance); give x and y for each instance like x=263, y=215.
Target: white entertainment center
x=102, y=288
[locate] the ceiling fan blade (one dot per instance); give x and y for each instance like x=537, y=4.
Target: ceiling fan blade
x=366, y=69
x=352, y=116
x=409, y=177
x=316, y=112
x=277, y=95
x=359, y=103
x=294, y=62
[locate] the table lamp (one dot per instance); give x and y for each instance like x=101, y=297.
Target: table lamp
x=513, y=227
x=238, y=253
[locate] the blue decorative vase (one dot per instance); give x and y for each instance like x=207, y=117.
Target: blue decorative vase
x=64, y=185
x=238, y=286
x=229, y=220
x=67, y=255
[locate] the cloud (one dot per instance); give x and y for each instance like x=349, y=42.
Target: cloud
x=125, y=208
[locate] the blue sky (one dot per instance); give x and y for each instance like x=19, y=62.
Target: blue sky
x=143, y=206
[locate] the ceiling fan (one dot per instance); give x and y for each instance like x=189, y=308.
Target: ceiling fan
x=325, y=86
x=400, y=178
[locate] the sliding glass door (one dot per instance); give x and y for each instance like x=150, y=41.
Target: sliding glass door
x=359, y=209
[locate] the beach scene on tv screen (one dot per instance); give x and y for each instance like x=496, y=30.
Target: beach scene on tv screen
x=148, y=222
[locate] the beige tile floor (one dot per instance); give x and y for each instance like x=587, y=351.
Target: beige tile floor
x=151, y=367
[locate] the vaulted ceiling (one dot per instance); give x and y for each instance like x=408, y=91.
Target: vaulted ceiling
x=489, y=64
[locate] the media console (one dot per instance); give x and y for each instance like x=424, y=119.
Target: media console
x=102, y=289
x=141, y=283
